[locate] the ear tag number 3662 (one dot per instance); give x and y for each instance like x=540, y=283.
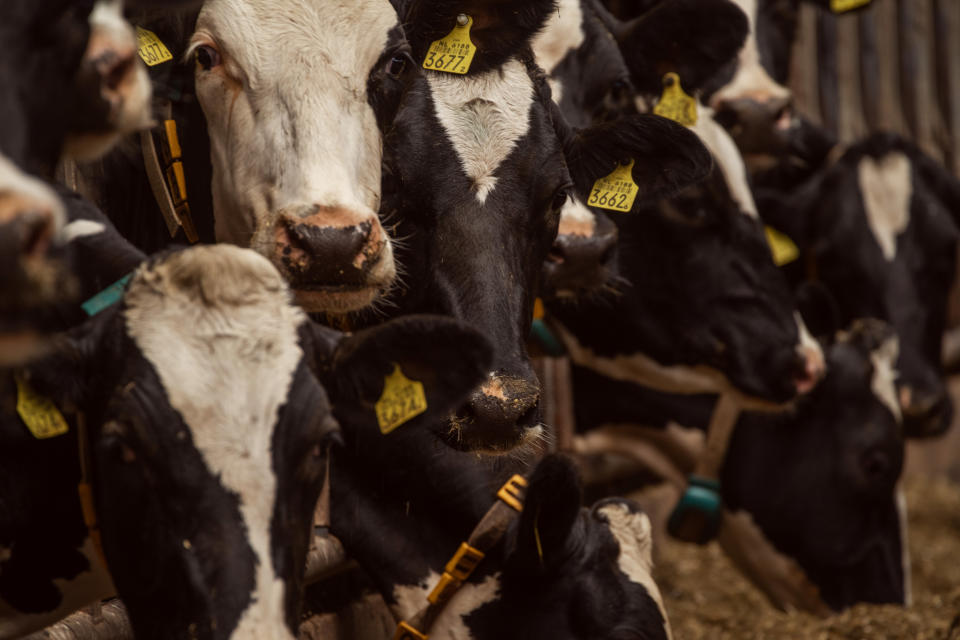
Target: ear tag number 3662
x=152, y=51
x=402, y=400
x=454, y=52
x=616, y=191
x=41, y=416
x=675, y=103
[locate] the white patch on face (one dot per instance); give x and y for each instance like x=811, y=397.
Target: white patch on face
x=728, y=158
x=883, y=382
x=901, y=501
x=642, y=370
x=633, y=533
x=80, y=229
x=809, y=349
x=19, y=191
x=887, y=187
x=562, y=34
x=449, y=625
x=86, y=588
x=287, y=112
x=576, y=219
x=484, y=116
x=227, y=376
x=751, y=80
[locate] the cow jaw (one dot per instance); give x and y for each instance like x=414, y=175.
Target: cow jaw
x=292, y=133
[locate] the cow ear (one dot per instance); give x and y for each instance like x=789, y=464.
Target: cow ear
x=550, y=514
x=693, y=38
x=667, y=156
x=422, y=367
x=499, y=28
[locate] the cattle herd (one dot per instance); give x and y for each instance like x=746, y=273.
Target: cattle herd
x=277, y=276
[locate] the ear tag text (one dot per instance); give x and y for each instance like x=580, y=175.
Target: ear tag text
x=783, y=249
x=616, y=191
x=402, y=400
x=454, y=52
x=152, y=51
x=675, y=103
x=41, y=416
x=842, y=6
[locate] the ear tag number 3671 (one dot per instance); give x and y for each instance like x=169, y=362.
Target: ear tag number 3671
x=454, y=52
x=152, y=51
x=616, y=191
x=402, y=400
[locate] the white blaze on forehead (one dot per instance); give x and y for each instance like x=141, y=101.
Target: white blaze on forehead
x=901, y=501
x=728, y=158
x=751, y=80
x=886, y=186
x=633, y=533
x=449, y=624
x=576, y=219
x=562, y=34
x=883, y=382
x=20, y=189
x=288, y=113
x=217, y=326
x=484, y=116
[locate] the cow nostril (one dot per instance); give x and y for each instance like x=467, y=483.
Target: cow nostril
x=556, y=254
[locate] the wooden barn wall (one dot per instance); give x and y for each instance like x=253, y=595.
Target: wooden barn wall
x=894, y=66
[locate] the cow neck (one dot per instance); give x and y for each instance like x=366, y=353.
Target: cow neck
x=164, y=165
x=482, y=539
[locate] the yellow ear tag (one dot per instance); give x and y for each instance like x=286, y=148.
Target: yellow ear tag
x=675, y=103
x=402, y=399
x=453, y=53
x=783, y=249
x=151, y=50
x=842, y=6
x=616, y=191
x=41, y=416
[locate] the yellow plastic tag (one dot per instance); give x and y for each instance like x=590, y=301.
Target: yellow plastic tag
x=841, y=6
x=675, y=103
x=616, y=191
x=152, y=51
x=538, y=312
x=783, y=249
x=41, y=416
x=453, y=53
x=402, y=400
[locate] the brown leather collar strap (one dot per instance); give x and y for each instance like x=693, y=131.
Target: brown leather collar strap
x=723, y=421
x=483, y=538
x=85, y=489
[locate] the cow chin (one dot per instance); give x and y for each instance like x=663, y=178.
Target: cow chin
x=530, y=441
x=336, y=300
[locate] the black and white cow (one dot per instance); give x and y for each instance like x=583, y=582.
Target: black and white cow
x=878, y=229
x=819, y=481
x=206, y=431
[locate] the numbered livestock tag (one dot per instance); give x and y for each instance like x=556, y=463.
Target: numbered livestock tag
x=402, y=400
x=675, y=103
x=783, y=249
x=152, y=51
x=107, y=297
x=41, y=416
x=841, y=6
x=617, y=191
x=454, y=53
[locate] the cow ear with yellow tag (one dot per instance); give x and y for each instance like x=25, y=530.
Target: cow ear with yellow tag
x=622, y=165
x=404, y=374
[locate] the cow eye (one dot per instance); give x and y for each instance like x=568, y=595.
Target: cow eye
x=560, y=199
x=397, y=64
x=207, y=57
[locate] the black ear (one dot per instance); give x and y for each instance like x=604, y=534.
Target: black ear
x=819, y=309
x=693, y=38
x=446, y=357
x=501, y=28
x=667, y=156
x=550, y=513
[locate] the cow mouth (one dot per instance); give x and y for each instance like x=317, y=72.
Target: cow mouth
x=527, y=440
x=335, y=298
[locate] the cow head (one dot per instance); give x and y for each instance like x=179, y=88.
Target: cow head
x=879, y=231
x=296, y=97
x=208, y=431
x=837, y=461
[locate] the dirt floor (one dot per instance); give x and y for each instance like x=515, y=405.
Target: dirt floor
x=707, y=599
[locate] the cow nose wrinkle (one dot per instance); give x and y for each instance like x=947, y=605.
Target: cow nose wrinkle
x=502, y=409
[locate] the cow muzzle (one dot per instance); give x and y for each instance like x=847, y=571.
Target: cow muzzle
x=337, y=261
x=926, y=413
x=759, y=122
x=582, y=259
x=500, y=416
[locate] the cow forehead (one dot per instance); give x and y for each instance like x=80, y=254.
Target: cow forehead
x=219, y=330
x=274, y=38
x=886, y=186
